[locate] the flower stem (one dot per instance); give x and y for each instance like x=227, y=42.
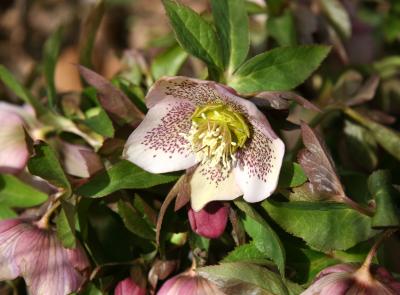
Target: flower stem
x=44, y=222
x=364, y=210
x=363, y=273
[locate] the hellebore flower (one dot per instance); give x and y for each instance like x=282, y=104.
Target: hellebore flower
x=209, y=222
x=13, y=148
x=349, y=279
x=203, y=124
x=189, y=283
x=129, y=287
x=35, y=253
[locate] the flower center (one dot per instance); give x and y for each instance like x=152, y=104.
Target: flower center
x=216, y=133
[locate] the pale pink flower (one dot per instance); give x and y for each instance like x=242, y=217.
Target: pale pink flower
x=207, y=125
x=189, y=283
x=38, y=256
x=14, y=152
x=129, y=287
x=209, y=222
x=351, y=279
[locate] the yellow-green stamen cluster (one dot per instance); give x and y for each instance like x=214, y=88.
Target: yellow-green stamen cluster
x=217, y=132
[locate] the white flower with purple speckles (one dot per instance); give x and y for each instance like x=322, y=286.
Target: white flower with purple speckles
x=205, y=124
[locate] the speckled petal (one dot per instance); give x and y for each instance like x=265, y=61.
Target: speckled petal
x=212, y=184
x=183, y=88
x=259, y=163
x=13, y=149
x=157, y=145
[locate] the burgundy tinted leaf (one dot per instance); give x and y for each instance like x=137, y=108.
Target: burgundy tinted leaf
x=365, y=93
x=378, y=116
x=280, y=100
x=318, y=164
x=113, y=100
x=183, y=196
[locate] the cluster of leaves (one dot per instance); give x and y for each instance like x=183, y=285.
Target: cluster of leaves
x=334, y=196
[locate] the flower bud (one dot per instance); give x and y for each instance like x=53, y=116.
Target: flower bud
x=343, y=279
x=80, y=160
x=37, y=255
x=129, y=287
x=189, y=283
x=13, y=148
x=209, y=222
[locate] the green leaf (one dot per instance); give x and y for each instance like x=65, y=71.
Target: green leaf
x=240, y=278
x=65, y=224
x=6, y=212
x=338, y=16
x=324, y=226
x=282, y=29
x=247, y=253
x=50, y=54
x=291, y=175
x=98, y=120
x=20, y=91
x=264, y=237
x=123, y=175
x=388, y=138
x=194, y=34
x=169, y=62
x=15, y=193
x=45, y=164
x=380, y=186
x=231, y=21
x=135, y=222
x=361, y=145
x=278, y=69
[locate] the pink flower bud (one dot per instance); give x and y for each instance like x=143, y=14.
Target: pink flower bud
x=189, y=283
x=129, y=287
x=343, y=279
x=38, y=256
x=13, y=148
x=80, y=160
x=209, y=222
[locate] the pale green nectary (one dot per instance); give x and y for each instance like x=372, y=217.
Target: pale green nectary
x=206, y=125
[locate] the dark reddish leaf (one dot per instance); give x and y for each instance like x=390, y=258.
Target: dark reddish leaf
x=280, y=100
x=113, y=100
x=318, y=164
x=365, y=93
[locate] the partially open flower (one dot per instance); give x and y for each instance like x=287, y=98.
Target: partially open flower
x=348, y=279
x=189, y=283
x=205, y=124
x=13, y=148
x=128, y=287
x=37, y=255
x=209, y=222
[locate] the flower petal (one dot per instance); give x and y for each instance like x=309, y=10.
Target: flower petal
x=212, y=184
x=194, y=90
x=45, y=265
x=13, y=149
x=10, y=231
x=128, y=287
x=157, y=144
x=259, y=163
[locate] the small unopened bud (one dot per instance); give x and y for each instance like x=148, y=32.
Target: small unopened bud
x=129, y=287
x=37, y=255
x=343, y=279
x=189, y=283
x=209, y=222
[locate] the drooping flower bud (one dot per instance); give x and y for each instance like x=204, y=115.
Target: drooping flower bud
x=13, y=148
x=37, y=255
x=80, y=160
x=343, y=279
x=189, y=283
x=209, y=222
x=129, y=287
